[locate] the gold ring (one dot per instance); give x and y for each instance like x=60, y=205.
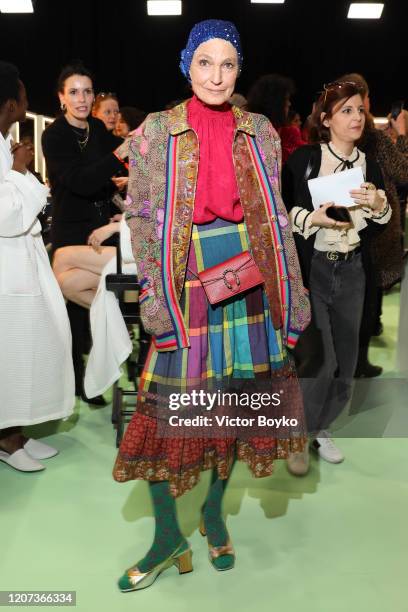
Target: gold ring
x=371, y=186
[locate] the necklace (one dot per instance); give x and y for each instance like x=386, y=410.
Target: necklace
x=345, y=163
x=81, y=138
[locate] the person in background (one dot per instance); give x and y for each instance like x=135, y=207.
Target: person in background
x=80, y=162
x=27, y=140
x=36, y=374
x=402, y=190
x=239, y=100
x=270, y=96
x=173, y=103
x=305, y=130
x=127, y=120
x=294, y=119
x=387, y=250
x=106, y=108
x=335, y=260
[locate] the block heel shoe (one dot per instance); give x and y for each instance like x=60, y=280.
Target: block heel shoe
x=134, y=580
x=222, y=558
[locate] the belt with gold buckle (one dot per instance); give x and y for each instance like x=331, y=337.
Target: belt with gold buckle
x=337, y=256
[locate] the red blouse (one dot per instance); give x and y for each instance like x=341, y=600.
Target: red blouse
x=217, y=190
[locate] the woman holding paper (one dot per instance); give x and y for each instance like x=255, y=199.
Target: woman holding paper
x=333, y=247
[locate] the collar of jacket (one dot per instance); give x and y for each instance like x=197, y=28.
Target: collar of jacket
x=178, y=120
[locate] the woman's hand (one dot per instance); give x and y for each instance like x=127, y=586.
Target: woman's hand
x=120, y=182
x=101, y=234
x=367, y=196
x=23, y=156
x=320, y=219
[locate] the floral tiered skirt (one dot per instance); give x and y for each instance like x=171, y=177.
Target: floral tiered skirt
x=232, y=344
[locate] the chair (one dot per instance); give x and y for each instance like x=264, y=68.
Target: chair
x=121, y=283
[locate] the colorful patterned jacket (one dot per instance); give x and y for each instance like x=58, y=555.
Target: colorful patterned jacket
x=163, y=158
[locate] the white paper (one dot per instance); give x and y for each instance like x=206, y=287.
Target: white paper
x=336, y=187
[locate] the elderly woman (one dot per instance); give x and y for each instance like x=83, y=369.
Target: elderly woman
x=203, y=189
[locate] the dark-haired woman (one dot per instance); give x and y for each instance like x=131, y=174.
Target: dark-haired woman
x=335, y=258
x=80, y=164
x=128, y=119
x=270, y=96
x=36, y=375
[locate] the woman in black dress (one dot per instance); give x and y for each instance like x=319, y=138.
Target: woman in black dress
x=80, y=163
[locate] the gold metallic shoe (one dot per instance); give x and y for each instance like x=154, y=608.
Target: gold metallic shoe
x=222, y=558
x=134, y=580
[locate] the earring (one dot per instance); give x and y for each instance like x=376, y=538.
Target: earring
x=63, y=106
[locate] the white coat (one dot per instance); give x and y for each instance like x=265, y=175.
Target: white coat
x=36, y=371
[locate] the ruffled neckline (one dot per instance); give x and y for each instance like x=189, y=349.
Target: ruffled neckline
x=199, y=109
x=341, y=154
x=216, y=190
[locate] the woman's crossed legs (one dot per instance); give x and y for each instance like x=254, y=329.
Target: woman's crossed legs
x=78, y=270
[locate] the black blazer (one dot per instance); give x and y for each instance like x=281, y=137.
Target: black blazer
x=80, y=180
x=302, y=165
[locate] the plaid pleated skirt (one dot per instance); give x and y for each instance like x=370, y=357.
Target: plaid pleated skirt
x=233, y=341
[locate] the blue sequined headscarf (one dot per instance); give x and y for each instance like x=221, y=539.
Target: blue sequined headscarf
x=206, y=30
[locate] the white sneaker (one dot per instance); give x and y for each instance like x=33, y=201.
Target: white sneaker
x=39, y=450
x=326, y=448
x=21, y=461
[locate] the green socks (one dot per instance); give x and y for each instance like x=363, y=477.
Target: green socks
x=167, y=535
x=212, y=511
x=217, y=534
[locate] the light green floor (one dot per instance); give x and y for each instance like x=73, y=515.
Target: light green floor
x=334, y=541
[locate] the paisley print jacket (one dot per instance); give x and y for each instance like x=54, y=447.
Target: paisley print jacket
x=163, y=155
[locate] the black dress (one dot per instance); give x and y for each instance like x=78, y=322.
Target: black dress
x=80, y=180
x=81, y=201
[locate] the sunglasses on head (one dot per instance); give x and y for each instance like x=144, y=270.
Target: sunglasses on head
x=337, y=85
x=105, y=94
